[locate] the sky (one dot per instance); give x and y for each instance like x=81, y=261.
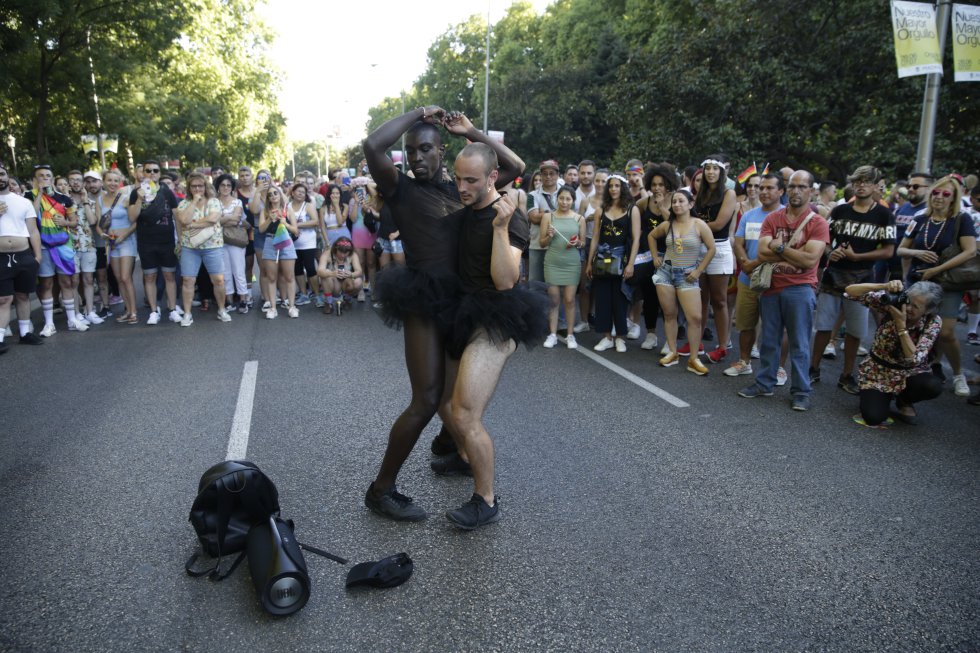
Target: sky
x=340, y=59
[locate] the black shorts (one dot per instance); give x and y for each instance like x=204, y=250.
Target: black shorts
x=305, y=263
x=101, y=262
x=18, y=272
x=154, y=256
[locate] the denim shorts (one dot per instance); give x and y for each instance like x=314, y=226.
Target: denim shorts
x=668, y=275
x=391, y=246
x=191, y=259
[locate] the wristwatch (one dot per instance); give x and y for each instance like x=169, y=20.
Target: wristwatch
x=779, y=249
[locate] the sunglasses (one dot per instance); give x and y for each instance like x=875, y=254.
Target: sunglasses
x=917, y=186
x=942, y=193
x=344, y=250
x=151, y=170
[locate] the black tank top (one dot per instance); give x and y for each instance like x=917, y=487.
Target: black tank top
x=711, y=213
x=648, y=222
x=615, y=233
x=426, y=215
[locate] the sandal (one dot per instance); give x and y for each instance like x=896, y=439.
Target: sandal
x=911, y=419
x=126, y=318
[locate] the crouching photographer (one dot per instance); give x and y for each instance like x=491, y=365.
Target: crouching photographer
x=898, y=366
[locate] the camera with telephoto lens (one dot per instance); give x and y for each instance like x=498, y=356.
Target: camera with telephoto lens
x=896, y=299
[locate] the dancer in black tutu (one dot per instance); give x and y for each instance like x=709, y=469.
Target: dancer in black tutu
x=494, y=315
x=421, y=296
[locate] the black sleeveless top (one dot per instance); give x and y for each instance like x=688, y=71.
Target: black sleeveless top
x=614, y=233
x=427, y=217
x=711, y=213
x=648, y=222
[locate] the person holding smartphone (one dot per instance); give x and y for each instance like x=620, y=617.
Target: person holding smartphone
x=259, y=198
x=341, y=274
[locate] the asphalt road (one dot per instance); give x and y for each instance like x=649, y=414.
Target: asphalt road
x=629, y=524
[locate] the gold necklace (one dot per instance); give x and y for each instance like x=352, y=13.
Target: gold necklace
x=925, y=236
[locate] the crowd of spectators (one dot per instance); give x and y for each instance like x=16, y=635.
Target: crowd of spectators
x=774, y=267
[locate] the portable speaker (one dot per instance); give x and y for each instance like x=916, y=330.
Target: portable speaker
x=277, y=567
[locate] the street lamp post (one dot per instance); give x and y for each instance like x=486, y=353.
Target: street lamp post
x=12, y=144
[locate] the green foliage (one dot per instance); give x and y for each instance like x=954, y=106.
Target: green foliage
x=189, y=79
x=813, y=86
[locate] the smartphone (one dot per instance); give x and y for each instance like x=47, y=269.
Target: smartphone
x=360, y=192
x=345, y=180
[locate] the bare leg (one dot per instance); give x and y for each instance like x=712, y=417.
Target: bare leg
x=479, y=371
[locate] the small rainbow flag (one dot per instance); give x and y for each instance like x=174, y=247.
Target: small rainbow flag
x=765, y=170
x=748, y=172
x=281, y=240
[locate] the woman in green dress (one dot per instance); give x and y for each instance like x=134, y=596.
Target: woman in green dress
x=563, y=233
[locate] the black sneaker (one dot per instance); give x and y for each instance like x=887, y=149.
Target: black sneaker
x=451, y=465
x=443, y=444
x=31, y=339
x=848, y=384
x=801, y=402
x=707, y=335
x=814, y=375
x=394, y=505
x=474, y=513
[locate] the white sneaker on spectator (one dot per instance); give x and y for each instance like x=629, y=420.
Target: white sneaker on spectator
x=632, y=330
x=93, y=318
x=829, y=352
x=81, y=318
x=862, y=351
x=960, y=386
x=195, y=302
x=293, y=311
x=603, y=345
x=175, y=315
x=77, y=325
x=781, y=377
x=154, y=317
x=223, y=316
x=620, y=345
x=180, y=311
x=755, y=352
x=739, y=368
x=665, y=349
x=271, y=314
x=7, y=332
x=187, y=320
x=48, y=330
x=581, y=327
x=571, y=342
x=650, y=341
x=550, y=341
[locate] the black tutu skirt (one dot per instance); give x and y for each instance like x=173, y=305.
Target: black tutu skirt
x=404, y=292
x=519, y=314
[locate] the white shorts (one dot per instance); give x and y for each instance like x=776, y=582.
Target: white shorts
x=723, y=262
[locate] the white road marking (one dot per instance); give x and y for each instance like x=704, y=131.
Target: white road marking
x=632, y=378
x=242, y=423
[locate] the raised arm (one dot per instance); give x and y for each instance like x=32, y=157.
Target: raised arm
x=383, y=171
x=511, y=165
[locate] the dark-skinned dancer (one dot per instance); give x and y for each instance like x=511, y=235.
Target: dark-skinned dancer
x=422, y=295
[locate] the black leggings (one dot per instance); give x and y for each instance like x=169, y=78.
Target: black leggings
x=875, y=404
x=306, y=260
x=425, y=358
x=651, y=304
x=610, y=305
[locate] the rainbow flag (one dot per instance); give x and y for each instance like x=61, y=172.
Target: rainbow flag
x=765, y=170
x=748, y=172
x=281, y=240
x=57, y=240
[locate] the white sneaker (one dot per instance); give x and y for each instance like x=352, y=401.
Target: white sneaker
x=571, y=342
x=755, y=352
x=604, y=344
x=154, y=317
x=650, y=341
x=7, y=332
x=551, y=341
x=266, y=306
x=632, y=331
x=581, y=327
x=175, y=315
x=829, y=352
x=271, y=314
x=665, y=349
x=223, y=316
x=293, y=311
x=621, y=345
x=862, y=351
x=48, y=330
x=93, y=318
x=180, y=311
x=781, y=377
x=959, y=385
x=740, y=368
x=81, y=318
x=77, y=325
x=187, y=320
